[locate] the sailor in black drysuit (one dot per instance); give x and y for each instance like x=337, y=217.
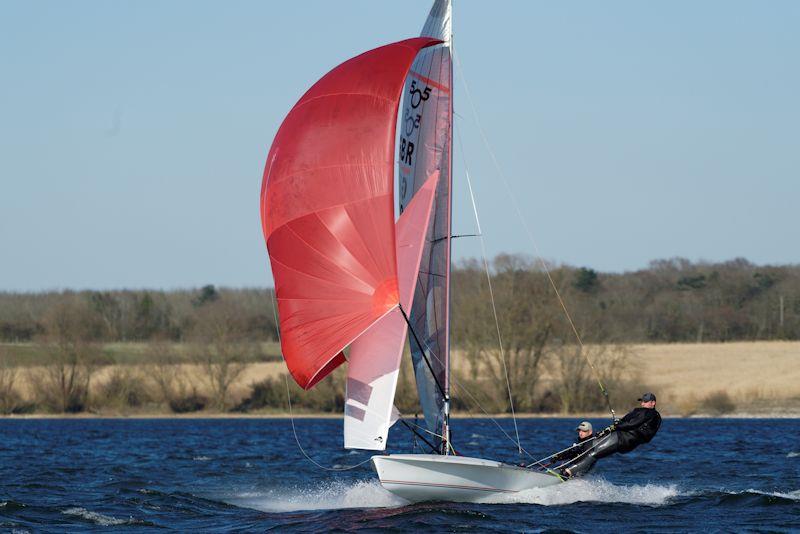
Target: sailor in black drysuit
x=584, y=443
x=637, y=427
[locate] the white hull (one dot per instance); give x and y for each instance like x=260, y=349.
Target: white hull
x=431, y=477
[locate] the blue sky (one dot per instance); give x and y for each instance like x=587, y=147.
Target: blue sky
x=133, y=134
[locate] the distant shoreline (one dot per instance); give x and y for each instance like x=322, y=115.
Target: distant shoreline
x=734, y=380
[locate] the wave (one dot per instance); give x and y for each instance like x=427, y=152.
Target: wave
x=793, y=454
x=593, y=490
x=370, y=494
x=333, y=495
x=8, y=506
x=753, y=498
x=792, y=495
x=96, y=518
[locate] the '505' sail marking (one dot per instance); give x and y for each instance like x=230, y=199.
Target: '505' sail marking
x=417, y=95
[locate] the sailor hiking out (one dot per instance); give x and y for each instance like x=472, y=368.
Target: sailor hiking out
x=637, y=427
x=584, y=443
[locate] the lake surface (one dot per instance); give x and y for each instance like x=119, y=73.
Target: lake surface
x=248, y=475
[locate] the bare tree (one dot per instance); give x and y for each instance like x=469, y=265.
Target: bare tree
x=168, y=375
x=524, y=302
x=221, y=347
x=9, y=397
x=71, y=330
x=528, y=323
x=164, y=371
x=576, y=383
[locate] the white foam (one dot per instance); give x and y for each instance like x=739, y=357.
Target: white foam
x=592, y=490
x=793, y=454
x=370, y=494
x=330, y=496
x=792, y=495
x=201, y=458
x=99, y=519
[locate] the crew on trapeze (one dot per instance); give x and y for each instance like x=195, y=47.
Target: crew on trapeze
x=637, y=427
x=584, y=443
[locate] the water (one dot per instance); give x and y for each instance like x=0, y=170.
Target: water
x=248, y=475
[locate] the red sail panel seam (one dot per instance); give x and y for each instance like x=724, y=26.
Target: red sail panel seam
x=430, y=82
x=329, y=95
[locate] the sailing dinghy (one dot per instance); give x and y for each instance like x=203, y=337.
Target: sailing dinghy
x=347, y=274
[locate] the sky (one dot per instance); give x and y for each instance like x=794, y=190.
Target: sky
x=133, y=135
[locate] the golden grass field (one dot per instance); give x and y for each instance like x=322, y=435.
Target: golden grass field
x=762, y=378
x=759, y=376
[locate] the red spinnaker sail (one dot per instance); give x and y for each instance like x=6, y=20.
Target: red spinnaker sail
x=327, y=209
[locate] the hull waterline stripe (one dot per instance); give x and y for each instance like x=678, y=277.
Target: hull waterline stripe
x=454, y=486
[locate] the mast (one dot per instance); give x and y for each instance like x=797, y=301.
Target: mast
x=446, y=429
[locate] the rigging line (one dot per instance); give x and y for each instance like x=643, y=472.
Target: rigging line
x=528, y=231
x=465, y=235
x=572, y=460
x=603, y=433
x=457, y=382
x=291, y=413
x=492, y=419
x=309, y=458
x=275, y=315
x=456, y=236
x=539, y=462
x=420, y=436
x=463, y=388
x=491, y=290
x=424, y=356
x=426, y=430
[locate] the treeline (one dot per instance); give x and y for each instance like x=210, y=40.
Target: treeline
x=672, y=300
x=196, y=347
x=141, y=315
